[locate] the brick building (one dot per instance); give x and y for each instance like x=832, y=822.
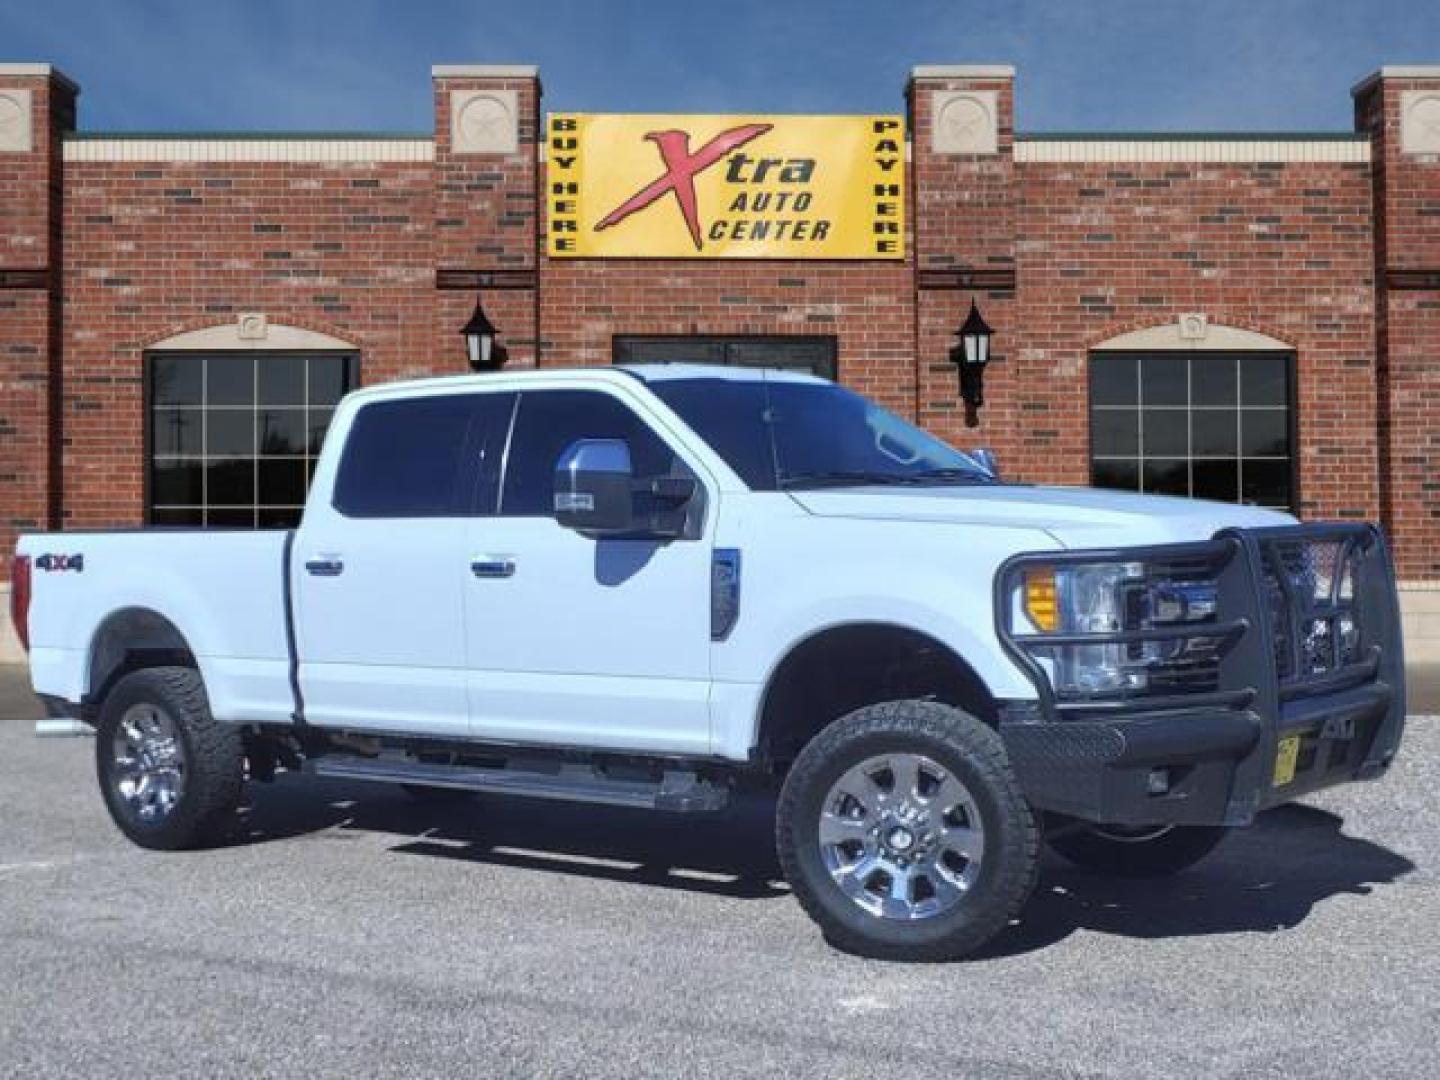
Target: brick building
x=1234, y=316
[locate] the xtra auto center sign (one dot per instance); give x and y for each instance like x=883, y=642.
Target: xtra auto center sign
x=730, y=187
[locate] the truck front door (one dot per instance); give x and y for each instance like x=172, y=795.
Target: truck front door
x=580, y=641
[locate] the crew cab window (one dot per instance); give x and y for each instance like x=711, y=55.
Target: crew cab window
x=548, y=421
x=406, y=458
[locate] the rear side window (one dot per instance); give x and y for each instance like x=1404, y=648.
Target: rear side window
x=403, y=458
x=548, y=421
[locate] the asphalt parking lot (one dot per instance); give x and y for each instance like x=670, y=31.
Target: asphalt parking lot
x=353, y=933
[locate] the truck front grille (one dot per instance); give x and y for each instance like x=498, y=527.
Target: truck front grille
x=1312, y=590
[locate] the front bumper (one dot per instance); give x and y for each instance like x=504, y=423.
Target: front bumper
x=1224, y=756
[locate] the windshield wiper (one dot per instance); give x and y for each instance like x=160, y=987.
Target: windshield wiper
x=955, y=474
x=855, y=478
x=841, y=478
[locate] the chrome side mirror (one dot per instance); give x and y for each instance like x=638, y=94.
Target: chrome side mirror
x=594, y=483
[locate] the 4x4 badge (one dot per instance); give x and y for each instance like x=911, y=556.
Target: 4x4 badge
x=60, y=562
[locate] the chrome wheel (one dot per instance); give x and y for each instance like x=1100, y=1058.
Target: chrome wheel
x=147, y=764
x=901, y=836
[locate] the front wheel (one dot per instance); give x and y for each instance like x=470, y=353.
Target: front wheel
x=171, y=774
x=904, y=834
x=1148, y=851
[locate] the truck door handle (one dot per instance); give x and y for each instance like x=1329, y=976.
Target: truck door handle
x=493, y=566
x=325, y=566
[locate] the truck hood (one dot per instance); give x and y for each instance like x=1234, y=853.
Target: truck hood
x=1074, y=517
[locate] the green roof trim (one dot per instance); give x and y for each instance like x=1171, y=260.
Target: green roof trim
x=1191, y=136
x=250, y=136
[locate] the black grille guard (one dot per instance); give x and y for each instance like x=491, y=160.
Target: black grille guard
x=1263, y=610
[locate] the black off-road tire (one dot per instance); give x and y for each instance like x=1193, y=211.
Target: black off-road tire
x=205, y=812
x=974, y=753
x=1130, y=853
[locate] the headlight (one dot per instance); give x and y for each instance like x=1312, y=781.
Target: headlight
x=1055, y=608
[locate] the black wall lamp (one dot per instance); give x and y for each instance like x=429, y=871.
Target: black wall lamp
x=482, y=347
x=971, y=355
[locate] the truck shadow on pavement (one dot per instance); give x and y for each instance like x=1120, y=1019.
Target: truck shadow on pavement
x=1262, y=879
x=727, y=854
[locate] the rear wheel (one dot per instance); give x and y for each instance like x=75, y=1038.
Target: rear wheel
x=1146, y=851
x=170, y=773
x=904, y=835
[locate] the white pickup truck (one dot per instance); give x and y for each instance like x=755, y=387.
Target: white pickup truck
x=644, y=586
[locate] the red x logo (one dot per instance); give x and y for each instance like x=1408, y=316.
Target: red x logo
x=681, y=168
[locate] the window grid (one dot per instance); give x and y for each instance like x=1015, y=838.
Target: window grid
x=1240, y=409
x=258, y=512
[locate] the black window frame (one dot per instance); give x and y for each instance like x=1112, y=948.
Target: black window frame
x=1290, y=361
x=624, y=346
x=149, y=358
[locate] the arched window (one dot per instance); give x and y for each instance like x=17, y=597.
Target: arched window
x=1212, y=422
x=232, y=430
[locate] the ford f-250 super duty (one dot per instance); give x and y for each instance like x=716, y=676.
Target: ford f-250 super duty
x=645, y=586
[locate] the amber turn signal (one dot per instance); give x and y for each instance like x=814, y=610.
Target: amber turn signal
x=1041, y=603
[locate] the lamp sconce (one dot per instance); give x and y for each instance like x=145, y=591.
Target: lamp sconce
x=483, y=350
x=970, y=355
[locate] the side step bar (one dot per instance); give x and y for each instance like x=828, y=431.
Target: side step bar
x=61, y=727
x=678, y=791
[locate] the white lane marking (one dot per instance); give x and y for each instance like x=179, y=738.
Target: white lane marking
x=865, y=1003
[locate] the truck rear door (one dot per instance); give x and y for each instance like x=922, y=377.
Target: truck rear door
x=379, y=567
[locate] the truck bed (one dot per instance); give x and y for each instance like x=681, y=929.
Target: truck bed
x=224, y=591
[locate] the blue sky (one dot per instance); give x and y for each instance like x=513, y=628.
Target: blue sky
x=364, y=64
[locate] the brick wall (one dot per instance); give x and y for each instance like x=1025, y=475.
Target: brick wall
x=1283, y=249
x=965, y=232
x=486, y=217
x=1407, y=257
x=30, y=260
x=157, y=248
x=1061, y=256
x=1101, y=248
x=866, y=306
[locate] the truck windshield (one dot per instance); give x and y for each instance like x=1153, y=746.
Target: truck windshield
x=781, y=435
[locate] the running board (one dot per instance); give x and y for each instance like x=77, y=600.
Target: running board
x=677, y=792
x=62, y=727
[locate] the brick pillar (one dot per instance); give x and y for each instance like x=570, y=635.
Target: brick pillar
x=1400, y=108
x=486, y=204
x=37, y=105
x=963, y=207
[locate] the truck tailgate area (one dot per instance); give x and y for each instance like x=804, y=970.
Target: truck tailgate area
x=223, y=592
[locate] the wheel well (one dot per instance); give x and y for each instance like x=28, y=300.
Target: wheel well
x=131, y=639
x=847, y=667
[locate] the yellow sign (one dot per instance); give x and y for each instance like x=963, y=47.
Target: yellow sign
x=726, y=187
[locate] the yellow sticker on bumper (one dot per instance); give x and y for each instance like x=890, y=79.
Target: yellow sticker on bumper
x=1286, y=754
